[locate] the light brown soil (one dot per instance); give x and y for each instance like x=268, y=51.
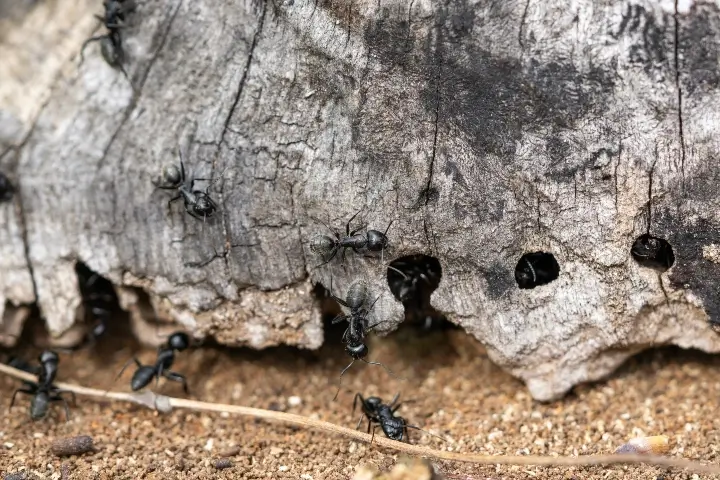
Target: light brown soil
x=449, y=386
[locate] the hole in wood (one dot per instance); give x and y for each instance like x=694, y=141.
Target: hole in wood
x=535, y=269
x=412, y=279
x=653, y=252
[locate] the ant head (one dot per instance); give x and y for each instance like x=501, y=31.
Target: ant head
x=373, y=402
x=179, y=341
x=48, y=356
x=376, y=241
x=357, y=351
x=39, y=405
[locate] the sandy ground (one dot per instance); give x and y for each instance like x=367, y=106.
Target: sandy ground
x=448, y=384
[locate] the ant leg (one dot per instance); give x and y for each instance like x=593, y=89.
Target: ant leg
x=127, y=364
x=86, y=43
x=362, y=401
x=65, y=404
x=176, y=377
x=182, y=166
x=360, y=421
x=332, y=255
x=374, y=301
x=378, y=363
x=353, y=232
x=172, y=200
x=19, y=390
x=127, y=77
x=373, y=432
x=337, y=299
x=339, y=319
x=74, y=399
x=341, y=375
x=347, y=226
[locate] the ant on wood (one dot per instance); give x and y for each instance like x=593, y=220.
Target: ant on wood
x=197, y=202
x=144, y=374
x=111, y=43
x=6, y=188
x=43, y=392
x=99, y=301
x=383, y=415
x=328, y=247
x=354, y=335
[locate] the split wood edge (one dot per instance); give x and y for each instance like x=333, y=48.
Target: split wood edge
x=164, y=404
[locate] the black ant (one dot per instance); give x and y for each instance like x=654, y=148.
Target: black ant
x=197, y=202
x=6, y=188
x=383, y=415
x=328, y=247
x=111, y=43
x=43, y=392
x=178, y=341
x=354, y=335
x=535, y=269
x=653, y=252
x=99, y=300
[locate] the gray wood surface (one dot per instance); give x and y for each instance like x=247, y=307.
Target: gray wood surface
x=485, y=130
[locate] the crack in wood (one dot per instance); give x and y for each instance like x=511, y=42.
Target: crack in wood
x=681, y=132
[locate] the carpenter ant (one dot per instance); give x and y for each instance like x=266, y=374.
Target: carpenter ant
x=111, y=46
x=144, y=374
x=653, y=252
x=328, y=247
x=99, y=300
x=6, y=188
x=43, y=392
x=197, y=202
x=354, y=335
x=535, y=269
x=383, y=415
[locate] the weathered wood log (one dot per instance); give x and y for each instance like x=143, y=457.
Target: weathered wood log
x=485, y=130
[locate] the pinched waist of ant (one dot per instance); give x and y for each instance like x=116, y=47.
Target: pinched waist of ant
x=356, y=241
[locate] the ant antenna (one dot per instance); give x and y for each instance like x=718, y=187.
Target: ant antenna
x=531, y=270
x=404, y=275
x=437, y=436
x=369, y=363
x=382, y=252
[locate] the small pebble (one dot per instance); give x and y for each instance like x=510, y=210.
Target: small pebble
x=64, y=447
x=657, y=445
x=16, y=476
x=223, y=463
x=230, y=452
x=294, y=401
x=283, y=468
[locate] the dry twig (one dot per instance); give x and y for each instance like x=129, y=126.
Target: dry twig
x=165, y=404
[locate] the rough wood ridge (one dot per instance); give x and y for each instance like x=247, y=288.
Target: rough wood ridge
x=486, y=130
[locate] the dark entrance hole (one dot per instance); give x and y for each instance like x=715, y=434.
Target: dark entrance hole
x=653, y=252
x=100, y=301
x=535, y=269
x=412, y=279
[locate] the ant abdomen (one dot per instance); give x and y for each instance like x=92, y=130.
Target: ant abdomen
x=321, y=244
x=356, y=294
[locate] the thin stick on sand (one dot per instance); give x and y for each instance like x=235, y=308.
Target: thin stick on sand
x=164, y=404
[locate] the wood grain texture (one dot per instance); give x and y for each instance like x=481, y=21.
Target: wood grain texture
x=484, y=129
